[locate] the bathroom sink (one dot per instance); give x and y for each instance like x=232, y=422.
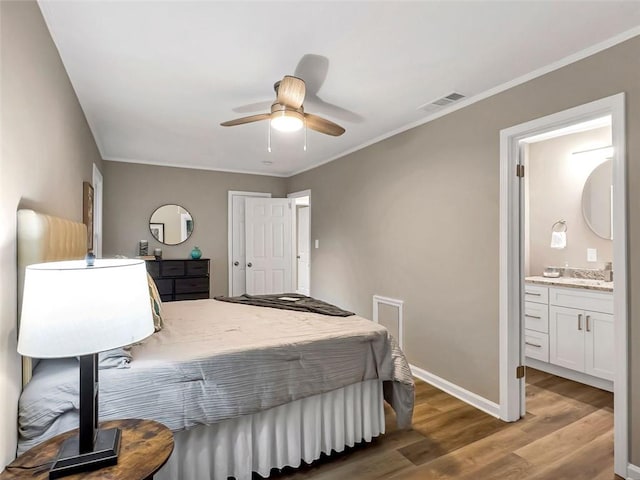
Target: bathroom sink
x=584, y=281
x=572, y=282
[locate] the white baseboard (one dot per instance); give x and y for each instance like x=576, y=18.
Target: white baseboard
x=633, y=472
x=579, y=377
x=460, y=393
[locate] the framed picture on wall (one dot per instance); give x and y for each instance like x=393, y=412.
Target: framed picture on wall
x=87, y=212
x=157, y=230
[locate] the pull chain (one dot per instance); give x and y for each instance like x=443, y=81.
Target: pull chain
x=305, y=134
x=269, y=138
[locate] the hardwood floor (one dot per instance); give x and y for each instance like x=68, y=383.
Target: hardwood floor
x=566, y=434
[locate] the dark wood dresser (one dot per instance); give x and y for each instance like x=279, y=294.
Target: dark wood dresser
x=180, y=279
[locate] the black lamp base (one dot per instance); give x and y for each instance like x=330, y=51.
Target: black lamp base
x=104, y=454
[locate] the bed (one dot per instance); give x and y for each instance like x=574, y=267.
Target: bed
x=244, y=388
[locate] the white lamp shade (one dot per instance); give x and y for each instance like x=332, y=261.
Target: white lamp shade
x=71, y=309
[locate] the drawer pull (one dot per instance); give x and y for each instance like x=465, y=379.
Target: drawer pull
x=532, y=316
x=533, y=344
x=587, y=319
x=534, y=294
x=579, y=321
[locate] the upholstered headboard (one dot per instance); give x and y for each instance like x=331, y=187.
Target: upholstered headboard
x=43, y=238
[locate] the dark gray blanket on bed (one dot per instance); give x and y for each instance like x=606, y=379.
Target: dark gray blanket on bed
x=289, y=301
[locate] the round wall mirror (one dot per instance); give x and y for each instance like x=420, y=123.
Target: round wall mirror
x=171, y=224
x=597, y=200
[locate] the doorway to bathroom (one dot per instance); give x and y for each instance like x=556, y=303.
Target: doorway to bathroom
x=559, y=313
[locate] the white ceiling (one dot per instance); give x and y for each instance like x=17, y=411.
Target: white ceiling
x=155, y=79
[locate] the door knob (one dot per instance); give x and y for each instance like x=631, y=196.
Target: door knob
x=235, y=264
x=249, y=264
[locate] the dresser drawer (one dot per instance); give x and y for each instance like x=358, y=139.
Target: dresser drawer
x=177, y=279
x=582, y=299
x=172, y=268
x=165, y=286
x=190, y=285
x=192, y=296
x=536, y=345
x=195, y=268
x=153, y=268
x=536, y=317
x=536, y=293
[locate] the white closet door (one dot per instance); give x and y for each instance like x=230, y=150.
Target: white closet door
x=238, y=286
x=268, y=239
x=303, y=250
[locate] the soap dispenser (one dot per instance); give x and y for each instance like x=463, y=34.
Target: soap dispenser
x=608, y=272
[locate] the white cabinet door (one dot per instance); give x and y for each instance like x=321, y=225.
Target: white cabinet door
x=599, y=345
x=566, y=337
x=268, y=245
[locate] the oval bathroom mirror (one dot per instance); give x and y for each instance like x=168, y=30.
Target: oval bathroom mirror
x=171, y=224
x=597, y=198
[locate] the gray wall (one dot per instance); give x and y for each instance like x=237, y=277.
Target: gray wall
x=47, y=152
x=416, y=217
x=555, y=182
x=133, y=191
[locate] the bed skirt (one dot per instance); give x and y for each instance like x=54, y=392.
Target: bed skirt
x=281, y=436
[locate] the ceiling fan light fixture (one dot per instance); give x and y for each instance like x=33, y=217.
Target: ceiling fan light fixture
x=287, y=121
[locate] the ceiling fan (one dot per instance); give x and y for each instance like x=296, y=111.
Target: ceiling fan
x=287, y=112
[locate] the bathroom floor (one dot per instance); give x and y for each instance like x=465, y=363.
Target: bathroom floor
x=567, y=433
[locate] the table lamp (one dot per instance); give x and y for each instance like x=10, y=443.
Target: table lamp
x=77, y=309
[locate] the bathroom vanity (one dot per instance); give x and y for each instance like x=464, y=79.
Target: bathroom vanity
x=569, y=328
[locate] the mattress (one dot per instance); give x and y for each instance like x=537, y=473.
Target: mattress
x=214, y=361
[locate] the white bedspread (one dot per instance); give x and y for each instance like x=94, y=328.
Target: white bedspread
x=214, y=361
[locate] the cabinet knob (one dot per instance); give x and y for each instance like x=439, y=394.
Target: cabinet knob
x=249, y=264
x=235, y=264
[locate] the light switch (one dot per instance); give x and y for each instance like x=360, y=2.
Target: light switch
x=592, y=255
x=317, y=243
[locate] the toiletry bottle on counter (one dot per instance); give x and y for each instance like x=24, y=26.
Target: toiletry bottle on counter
x=608, y=272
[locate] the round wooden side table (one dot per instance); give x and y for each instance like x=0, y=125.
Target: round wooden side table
x=145, y=447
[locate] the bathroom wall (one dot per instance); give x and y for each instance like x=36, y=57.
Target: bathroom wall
x=556, y=179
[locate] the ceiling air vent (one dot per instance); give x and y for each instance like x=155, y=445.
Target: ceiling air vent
x=441, y=102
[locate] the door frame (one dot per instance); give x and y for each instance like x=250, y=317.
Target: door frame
x=511, y=275
x=98, y=187
x=230, y=195
x=294, y=229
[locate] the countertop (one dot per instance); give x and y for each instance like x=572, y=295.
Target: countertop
x=570, y=282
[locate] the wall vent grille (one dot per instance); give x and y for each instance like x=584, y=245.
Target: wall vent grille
x=442, y=102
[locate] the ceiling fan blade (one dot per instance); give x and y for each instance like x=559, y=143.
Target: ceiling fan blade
x=291, y=92
x=323, y=125
x=315, y=103
x=240, y=121
x=313, y=68
x=254, y=107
